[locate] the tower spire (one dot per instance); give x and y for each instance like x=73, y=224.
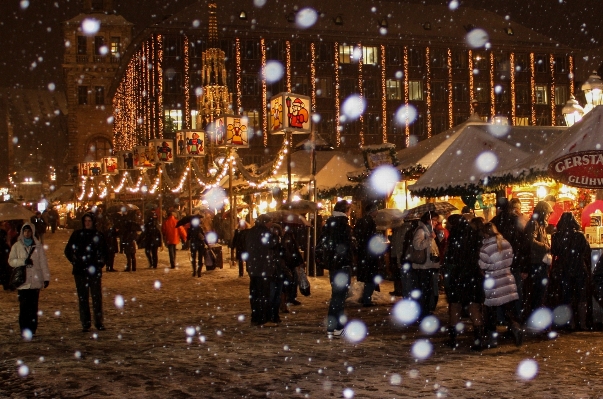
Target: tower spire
x=213, y=26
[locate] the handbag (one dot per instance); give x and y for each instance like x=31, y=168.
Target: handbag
x=19, y=273
x=302, y=280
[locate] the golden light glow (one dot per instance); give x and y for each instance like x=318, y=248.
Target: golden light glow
x=532, y=90
x=288, y=65
x=187, y=92
x=513, y=99
x=264, y=95
x=313, y=75
x=571, y=75
x=406, y=97
x=471, y=83
x=428, y=87
x=160, y=84
x=336, y=67
x=238, y=77
x=383, y=96
x=360, y=87
x=450, y=90
x=552, y=68
x=492, y=93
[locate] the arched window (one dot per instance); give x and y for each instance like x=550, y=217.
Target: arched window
x=97, y=148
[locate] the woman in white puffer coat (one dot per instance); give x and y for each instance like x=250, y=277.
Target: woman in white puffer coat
x=28, y=252
x=495, y=259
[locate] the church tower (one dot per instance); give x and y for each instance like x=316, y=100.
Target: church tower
x=95, y=41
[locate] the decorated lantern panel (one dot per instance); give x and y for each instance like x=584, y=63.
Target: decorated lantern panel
x=190, y=143
x=109, y=166
x=125, y=160
x=82, y=169
x=142, y=157
x=90, y=169
x=289, y=112
x=162, y=150
x=236, y=131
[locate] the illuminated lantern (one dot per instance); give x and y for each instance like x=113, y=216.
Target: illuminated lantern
x=82, y=169
x=289, y=112
x=190, y=143
x=142, y=157
x=125, y=160
x=162, y=150
x=234, y=130
x=94, y=168
x=109, y=166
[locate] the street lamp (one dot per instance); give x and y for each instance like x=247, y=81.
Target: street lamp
x=572, y=111
x=593, y=91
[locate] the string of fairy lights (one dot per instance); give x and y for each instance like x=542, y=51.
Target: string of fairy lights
x=571, y=74
x=313, y=75
x=383, y=95
x=492, y=87
x=337, y=106
x=471, y=82
x=513, y=100
x=264, y=92
x=450, y=88
x=288, y=64
x=238, y=73
x=532, y=89
x=406, y=97
x=552, y=102
x=187, y=88
x=428, y=87
x=360, y=92
x=160, y=83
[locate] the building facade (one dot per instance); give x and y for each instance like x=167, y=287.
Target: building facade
x=418, y=69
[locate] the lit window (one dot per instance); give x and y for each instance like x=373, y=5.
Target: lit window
x=542, y=94
x=393, y=89
x=115, y=46
x=560, y=95
x=173, y=116
x=415, y=90
x=370, y=55
x=522, y=121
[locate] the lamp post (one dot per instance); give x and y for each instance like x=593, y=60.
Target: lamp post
x=572, y=111
x=593, y=92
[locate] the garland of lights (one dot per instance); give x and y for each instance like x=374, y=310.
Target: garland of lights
x=571, y=74
x=187, y=111
x=532, y=89
x=264, y=94
x=238, y=73
x=288, y=64
x=552, y=66
x=450, y=89
x=313, y=75
x=336, y=67
x=471, y=83
x=406, y=97
x=360, y=92
x=513, y=100
x=383, y=96
x=492, y=93
x=428, y=87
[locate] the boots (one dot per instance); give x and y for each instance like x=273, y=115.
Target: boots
x=451, y=343
x=478, y=338
x=194, y=270
x=199, y=271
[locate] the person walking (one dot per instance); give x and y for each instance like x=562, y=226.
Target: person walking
x=29, y=252
x=570, y=271
x=293, y=259
x=150, y=240
x=540, y=255
x=86, y=250
x=40, y=226
x=500, y=290
x=425, y=275
x=129, y=236
x=197, y=244
x=463, y=280
x=237, y=245
x=111, y=236
x=53, y=219
x=260, y=244
x=368, y=261
x=171, y=237
x=335, y=251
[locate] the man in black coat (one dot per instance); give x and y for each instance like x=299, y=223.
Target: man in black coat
x=40, y=226
x=259, y=255
x=368, y=262
x=86, y=250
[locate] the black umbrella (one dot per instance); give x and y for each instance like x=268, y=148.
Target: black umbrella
x=188, y=219
x=122, y=208
x=442, y=208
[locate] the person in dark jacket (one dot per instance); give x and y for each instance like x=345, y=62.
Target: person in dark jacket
x=40, y=226
x=368, y=262
x=570, y=271
x=129, y=235
x=111, y=236
x=237, y=244
x=540, y=250
x=260, y=245
x=86, y=250
x=463, y=279
x=335, y=250
x=198, y=246
x=293, y=259
x=150, y=240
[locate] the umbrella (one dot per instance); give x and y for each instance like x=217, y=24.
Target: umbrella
x=10, y=211
x=300, y=206
x=290, y=217
x=443, y=208
x=188, y=219
x=389, y=218
x=122, y=208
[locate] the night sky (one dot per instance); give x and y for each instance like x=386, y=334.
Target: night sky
x=32, y=45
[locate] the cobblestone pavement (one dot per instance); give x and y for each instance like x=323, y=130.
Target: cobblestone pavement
x=144, y=352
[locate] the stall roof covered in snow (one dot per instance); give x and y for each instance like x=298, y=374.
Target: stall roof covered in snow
x=474, y=152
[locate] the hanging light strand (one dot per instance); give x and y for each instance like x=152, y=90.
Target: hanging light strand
x=264, y=94
x=336, y=68
x=383, y=97
x=450, y=90
x=532, y=90
x=513, y=99
x=552, y=69
x=428, y=93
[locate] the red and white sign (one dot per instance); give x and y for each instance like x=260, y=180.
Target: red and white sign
x=579, y=169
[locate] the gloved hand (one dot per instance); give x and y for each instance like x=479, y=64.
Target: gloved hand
x=28, y=261
x=46, y=284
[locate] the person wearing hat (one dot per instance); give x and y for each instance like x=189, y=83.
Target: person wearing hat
x=28, y=252
x=368, y=261
x=87, y=252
